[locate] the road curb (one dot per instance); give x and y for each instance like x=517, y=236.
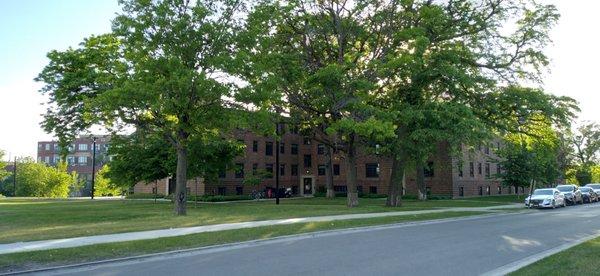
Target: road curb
x=514, y=266
x=244, y=244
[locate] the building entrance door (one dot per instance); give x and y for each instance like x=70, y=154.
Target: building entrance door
x=308, y=186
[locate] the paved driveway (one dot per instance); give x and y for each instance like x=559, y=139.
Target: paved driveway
x=462, y=247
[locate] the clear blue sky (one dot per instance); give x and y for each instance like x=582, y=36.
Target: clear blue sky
x=31, y=28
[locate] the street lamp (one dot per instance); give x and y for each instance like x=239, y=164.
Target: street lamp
x=93, y=164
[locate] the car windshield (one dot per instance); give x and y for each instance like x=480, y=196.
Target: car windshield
x=542, y=192
x=565, y=188
x=593, y=186
x=585, y=189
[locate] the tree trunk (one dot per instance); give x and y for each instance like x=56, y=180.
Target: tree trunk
x=329, y=173
x=394, y=198
x=421, y=181
x=351, y=172
x=181, y=180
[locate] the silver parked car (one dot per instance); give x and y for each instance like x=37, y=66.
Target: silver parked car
x=549, y=198
x=572, y=193
x=595, y=187
x=588, y=194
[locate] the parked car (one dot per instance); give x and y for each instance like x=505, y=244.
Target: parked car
x=595, y=186
x=572, y=193
x=588, y=194
x=549, y=198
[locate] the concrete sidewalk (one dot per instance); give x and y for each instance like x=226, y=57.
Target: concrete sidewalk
x=173, y=232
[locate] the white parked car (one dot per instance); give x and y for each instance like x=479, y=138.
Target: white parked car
x=550, y=198
x=595, y=187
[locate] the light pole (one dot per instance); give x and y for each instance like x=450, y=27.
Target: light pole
x=93, y=164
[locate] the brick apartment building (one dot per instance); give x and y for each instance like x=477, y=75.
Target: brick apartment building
x=79, y=158
x=302, y=168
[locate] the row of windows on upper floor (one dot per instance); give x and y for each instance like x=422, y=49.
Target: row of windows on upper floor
x=269, y=147
x=72, y=160
x=72, y=147
x=488, y=172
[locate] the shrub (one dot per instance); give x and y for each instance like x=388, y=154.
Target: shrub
x=143, y=196
x=372, y=195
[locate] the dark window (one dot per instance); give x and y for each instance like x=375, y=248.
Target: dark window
x=488, y=190
x=154, y=190
x=460, y=170
x=321, y=169
x=239, y=190
x=306, y=141
x=269, y=148
x=372, y=170
x=472, y=169
x=487, y=169
x=254, y=168
x=372, y=189
x=340, y=189
x=479, y=168
x=294, y=169
x=480, y=190
x=498, y=169
x=239, y=170
x=281, y=148
x=294, y=149
x=222, y=191
x=499, y=190
x=336, y=169
x=320, y=149
x=307, y=161
x=461, y=191
x=281, y=169
x=428, y=170
x=255, y=146
x=269, y=170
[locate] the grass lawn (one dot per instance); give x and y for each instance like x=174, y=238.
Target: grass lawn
x=31, y=219
x=579, y=260
x=46, y=258
x=500, y=198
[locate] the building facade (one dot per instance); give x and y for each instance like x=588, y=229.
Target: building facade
x=302, y=168
x=79, y=158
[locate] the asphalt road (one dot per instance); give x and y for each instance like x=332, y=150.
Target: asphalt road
x=462, y=247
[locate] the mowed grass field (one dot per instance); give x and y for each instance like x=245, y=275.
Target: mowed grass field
x=40, y=219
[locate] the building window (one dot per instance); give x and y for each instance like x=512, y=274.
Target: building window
x=294, y=170
x=82, y=147
x=428, y=169
x=82, y=160
x=306, y=141
x=70, y=160
x=487, y=169
x=320, y=149
x=55, y=147
x=488, y=190
x=281, y=147
x=372, y=189
x=294, y=149
x=40, y=145
x=499, y=190
x=269, y=148
x=222, y=191
x=480, y=190
x=269, y=169
x=321, y=169
x=55, y=159
x=460, y=170
x=372, y=170
x=254, y=168
x=47, y=146
x=239, y=170
x=281, y=169
x=307, y=161
x=498, y=170
x=471, y=169
x=336, y=169
x=239, y=190
x=461, y=191
x=255, y=146
x=46, y=160
x=340, y=189
x=479, y=168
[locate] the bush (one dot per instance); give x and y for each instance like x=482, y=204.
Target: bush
x=320, y=194
x=413, y=197
x=372, y=195
x=143, y=196
x=219, y=198
x=439, y=197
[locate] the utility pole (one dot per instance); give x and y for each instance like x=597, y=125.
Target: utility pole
x=93, y=164
x=15, y=178
x=277, y=168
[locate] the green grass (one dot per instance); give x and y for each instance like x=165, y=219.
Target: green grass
x=46, y=258
x=579, y=260
x=31, y=219
x=498, y=199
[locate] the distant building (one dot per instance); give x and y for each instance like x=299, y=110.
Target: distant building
x=79, y=158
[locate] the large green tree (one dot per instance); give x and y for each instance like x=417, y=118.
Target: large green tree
x=40, y=180
x=163, y=70
x=3, y=172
